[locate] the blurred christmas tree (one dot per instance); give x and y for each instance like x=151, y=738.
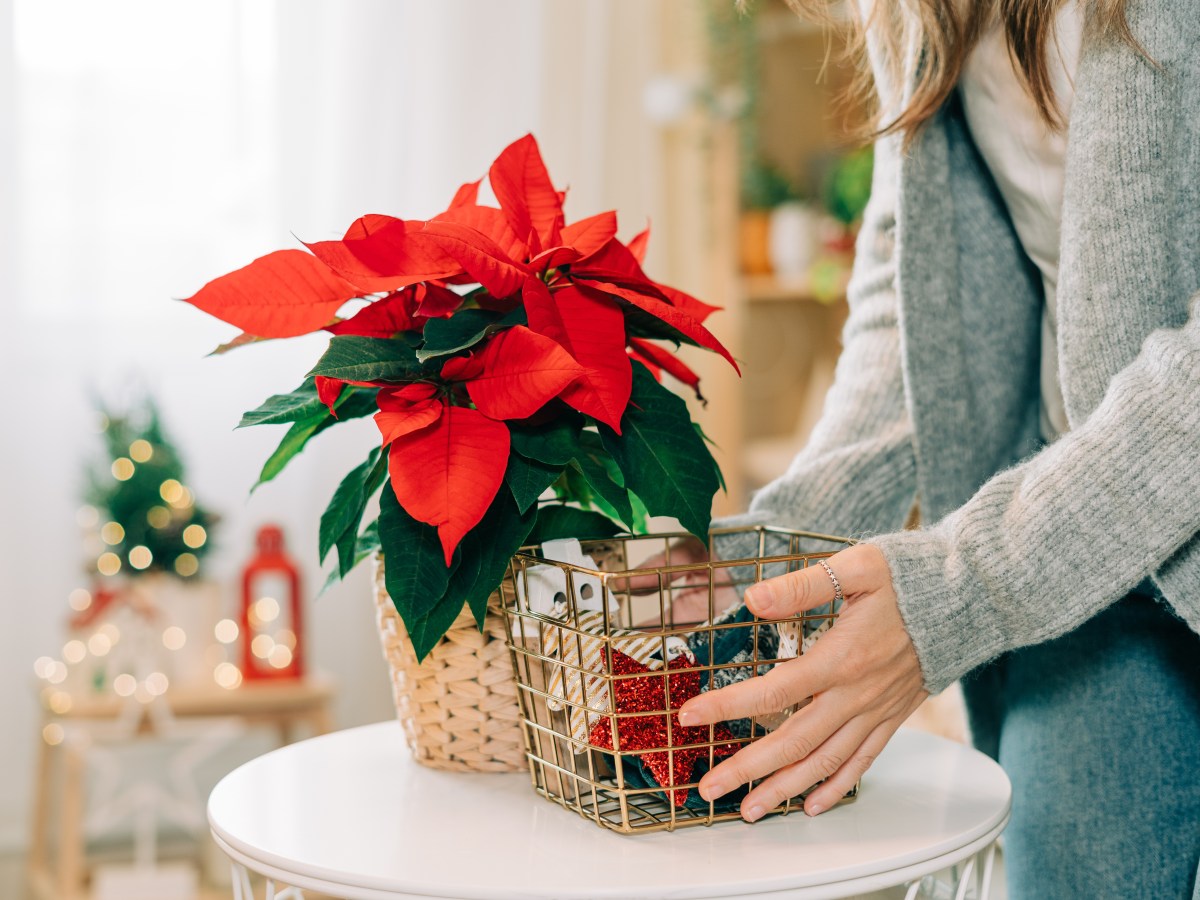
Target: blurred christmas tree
x=149, y=520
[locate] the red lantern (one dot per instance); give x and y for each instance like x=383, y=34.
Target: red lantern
x=272, y=622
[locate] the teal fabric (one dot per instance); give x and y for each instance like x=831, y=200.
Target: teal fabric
x=1099, y=731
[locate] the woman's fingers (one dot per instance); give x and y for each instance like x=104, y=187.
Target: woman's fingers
x=787, y=595
x=785, y=685
x=840, y=762
x=795, y=744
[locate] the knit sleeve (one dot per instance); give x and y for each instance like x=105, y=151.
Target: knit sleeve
x=1047, y=544
x=857, y=474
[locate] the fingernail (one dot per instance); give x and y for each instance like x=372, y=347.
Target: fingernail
x=711, y=791
x=753, y=814
x=759, y=597
x=814, y=809
x=688, y=718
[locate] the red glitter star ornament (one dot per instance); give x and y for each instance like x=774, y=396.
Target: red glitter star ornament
x=658, y=693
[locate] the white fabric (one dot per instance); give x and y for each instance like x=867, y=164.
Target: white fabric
x=1026, y=157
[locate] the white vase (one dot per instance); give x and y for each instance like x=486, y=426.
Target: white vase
x=793, y=239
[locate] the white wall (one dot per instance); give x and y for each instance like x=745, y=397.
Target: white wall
x=153, y=146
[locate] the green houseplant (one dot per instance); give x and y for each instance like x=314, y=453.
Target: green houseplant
x=504, y=354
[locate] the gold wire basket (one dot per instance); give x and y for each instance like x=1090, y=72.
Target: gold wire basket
x=605, y=655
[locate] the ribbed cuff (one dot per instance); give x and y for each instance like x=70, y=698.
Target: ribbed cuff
x=951, y=631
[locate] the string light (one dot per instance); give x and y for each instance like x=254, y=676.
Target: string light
x=141, y=450
x=287, y=637
x=262, y=645
x=124, y=685
x=280, y=656
x=171, y=491
x=140, y=557
x=195, y=536
x=156, y=684
x=122, y=468
x=112, y=533
x=87, y=517
x=110, y=631
x=108, y=563
x=158, y=516
x=185, y=501
x=99, y=644
x=60, y=702
x=174, y=638
x=227, y=675
x=74, y=652
x=79, y=599
x=53, y=734
x=266, y=609
x=43, y=666
x=57, y=673
x=226, y=631
x=187, y=564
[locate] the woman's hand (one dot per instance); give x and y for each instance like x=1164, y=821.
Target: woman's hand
x=687, y=592
x=863, y=676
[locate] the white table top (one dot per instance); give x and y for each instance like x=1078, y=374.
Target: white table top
x=353, y=815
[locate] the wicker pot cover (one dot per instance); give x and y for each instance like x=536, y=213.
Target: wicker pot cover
x=459, y=706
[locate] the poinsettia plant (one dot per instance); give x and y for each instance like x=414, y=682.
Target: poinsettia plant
x=505, y=355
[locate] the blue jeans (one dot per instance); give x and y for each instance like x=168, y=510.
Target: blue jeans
x=1099, y=731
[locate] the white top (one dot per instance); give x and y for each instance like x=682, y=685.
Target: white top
x=1027, y=159
x=352, y=815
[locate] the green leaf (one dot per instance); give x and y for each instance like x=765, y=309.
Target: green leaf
x=556, y=521
x=354, y=358
x=554, y=443
x=352, y=404
x=716, y=466
x=415, y=574
x=344, y=514
x=293, y=442
x=527, y=479
x=487, y=551
x=666, y=463
x=466, y=328
x=366, y=545
x=605, y=488
x=302, y=403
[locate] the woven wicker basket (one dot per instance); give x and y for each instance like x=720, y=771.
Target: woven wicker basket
x=459, y=706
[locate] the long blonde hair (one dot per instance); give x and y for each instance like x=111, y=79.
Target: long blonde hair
x=947, y=30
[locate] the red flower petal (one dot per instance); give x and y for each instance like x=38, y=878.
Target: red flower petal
x=590, y=234
x=522, y=185
x=328, y=391
x=482, y=257
x=697, y=309
x=282, y=294
x=436, y=302
x=661, y=358
x=467, y=195
x=380, y=253
x=676, y=318
x=447, y=474
x=383, y=318
x=592, y=327
x=405, y=410
x=492, y=223
x=637, y=245
x=520, y=371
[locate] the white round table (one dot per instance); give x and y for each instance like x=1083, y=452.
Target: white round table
x=350, y=814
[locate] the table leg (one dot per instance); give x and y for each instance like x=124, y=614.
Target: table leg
x=41, y=809
x=969, y=880
x=70, y=826
x=243, y=890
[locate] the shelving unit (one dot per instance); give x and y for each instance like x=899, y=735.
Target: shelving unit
x=785, y=331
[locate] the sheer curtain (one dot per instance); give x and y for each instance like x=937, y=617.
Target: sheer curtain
x=150, y=146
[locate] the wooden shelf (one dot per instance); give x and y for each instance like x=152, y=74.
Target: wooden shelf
x=789, y=289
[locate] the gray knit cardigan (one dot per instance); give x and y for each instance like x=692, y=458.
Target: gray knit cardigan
x=937, y=388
